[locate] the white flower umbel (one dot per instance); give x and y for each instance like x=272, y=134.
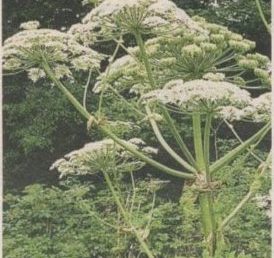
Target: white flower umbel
x=200, y=96
x=30, y=25
x=264, y=203
x=260, y=108
x=214, y=76
x=120, y=16
x=25, y=50
x=231, y=113
x=95, y=155
x=35, y=74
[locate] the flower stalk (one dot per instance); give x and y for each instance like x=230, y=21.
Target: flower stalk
x=201, y=164
x=126, y=216
x=165, y=145
x=116, y=139
x=238, y=150
x=205, y=198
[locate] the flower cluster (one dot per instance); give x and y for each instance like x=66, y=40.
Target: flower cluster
x=264, y=203
x=260, y=108
x=113, y=17
x=26, y=50
x=30, y=25
x=98, y=155
x=188, y=55
x=259, y=64
x=200, y=96
x=214, y=76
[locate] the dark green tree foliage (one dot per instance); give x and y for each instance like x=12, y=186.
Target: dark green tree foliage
x=51, y=14
x=39, y=124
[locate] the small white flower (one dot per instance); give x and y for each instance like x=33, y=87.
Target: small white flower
x=231, y=113
x=35, y=74
x=214, y=76
x=30, y=25
x=88, y=160
x=24, y=50
x=260, y=108
x=248, y=63
x=150, y=150
x=208, y=46
x=157, y=14
x=191, y=50
x=136, y=141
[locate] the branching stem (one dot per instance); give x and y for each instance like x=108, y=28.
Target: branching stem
x=106, y=131
x=164, y=144
x=125, y=215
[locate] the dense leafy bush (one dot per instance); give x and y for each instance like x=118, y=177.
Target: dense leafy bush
x=81, y=220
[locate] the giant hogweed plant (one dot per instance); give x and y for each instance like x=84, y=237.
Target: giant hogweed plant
x=180, y=66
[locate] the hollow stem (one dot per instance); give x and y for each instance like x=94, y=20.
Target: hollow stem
x=178, y=138
x=205, y=198
x=207, y=142
x=164, y=144
x=145, y=59
x=65, y=91
x=197, y=139
x=144, y=158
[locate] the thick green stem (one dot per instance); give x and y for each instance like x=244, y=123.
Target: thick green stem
x=178, y=137
x=205, y=198
x=145, y=59
x=238, y=150
x=83, y=111
x=126, y=216
x=144, y=158
x=208, y=221
x=65, y=91
x=165, y=145
x=197, y=139
x=207, y=142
